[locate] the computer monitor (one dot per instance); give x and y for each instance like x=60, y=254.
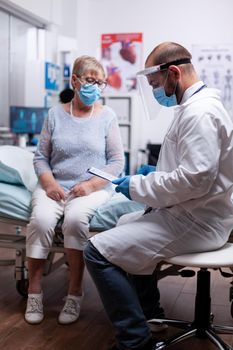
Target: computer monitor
x=27, y=120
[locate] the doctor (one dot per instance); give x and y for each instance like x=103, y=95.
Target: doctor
x=189, y=194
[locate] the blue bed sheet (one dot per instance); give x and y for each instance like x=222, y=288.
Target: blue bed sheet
x=15, y=203
x=108, y=214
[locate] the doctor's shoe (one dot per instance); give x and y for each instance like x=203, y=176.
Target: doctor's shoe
x=71, y=310
x=34, y=311
x=156, y=326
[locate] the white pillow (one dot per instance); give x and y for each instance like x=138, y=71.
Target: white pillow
x=16, y=167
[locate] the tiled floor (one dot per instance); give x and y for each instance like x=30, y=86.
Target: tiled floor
x=93, y=331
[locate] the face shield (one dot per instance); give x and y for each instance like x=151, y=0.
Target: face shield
x=151, y=82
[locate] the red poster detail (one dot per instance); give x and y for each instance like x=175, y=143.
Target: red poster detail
x=122, y=58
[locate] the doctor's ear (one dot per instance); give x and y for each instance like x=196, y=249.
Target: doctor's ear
x=175, y=71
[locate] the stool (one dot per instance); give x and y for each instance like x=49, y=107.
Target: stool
x=202, y=326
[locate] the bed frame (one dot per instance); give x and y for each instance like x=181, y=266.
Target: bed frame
x=17, y=242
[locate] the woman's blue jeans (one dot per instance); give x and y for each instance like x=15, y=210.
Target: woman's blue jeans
x=120, y=300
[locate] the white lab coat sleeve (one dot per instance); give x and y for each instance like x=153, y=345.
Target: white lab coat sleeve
x=196, y=147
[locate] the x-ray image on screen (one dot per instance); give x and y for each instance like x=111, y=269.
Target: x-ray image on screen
x=27, y=120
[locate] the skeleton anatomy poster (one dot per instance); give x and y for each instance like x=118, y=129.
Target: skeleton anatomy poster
x=215, y=67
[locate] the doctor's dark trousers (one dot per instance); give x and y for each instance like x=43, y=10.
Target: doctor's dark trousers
x=120, y=299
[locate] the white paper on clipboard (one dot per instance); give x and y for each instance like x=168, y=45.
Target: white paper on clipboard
x=102, y=174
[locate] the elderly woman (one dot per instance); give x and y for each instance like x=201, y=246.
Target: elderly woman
x=75, y=137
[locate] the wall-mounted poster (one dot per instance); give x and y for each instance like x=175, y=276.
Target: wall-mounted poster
x=52, y=73
x=122, y=59
x=214, y=64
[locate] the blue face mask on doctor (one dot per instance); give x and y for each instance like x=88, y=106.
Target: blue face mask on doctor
x=89, y=94
x=161, y=97
x=164, y=100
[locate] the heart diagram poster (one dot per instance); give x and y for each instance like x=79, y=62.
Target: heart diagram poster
x=121, y=56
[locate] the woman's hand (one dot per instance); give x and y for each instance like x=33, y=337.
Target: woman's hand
x=52, y=187
x=55, y=192
x=82, y=189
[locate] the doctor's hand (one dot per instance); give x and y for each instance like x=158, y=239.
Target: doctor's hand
x=123, y=185
x=146, y=169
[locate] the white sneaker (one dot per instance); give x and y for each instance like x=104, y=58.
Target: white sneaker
x=34, y=311
x=71, y=310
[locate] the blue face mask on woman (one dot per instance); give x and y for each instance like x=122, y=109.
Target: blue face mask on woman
x=164, y=100
x=89, y=94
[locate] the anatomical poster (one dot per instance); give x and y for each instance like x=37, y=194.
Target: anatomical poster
x=122, y=58
x=214, y=64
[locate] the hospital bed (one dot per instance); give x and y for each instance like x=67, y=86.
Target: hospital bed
x=17, y=242
x=15, y=212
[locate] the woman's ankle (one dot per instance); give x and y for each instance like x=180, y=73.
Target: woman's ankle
x=75, y=292
x=34, y=289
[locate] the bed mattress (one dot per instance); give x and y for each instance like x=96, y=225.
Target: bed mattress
x=15, y=204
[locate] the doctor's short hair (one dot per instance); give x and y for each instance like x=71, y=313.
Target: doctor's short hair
x=168, y=52
x=86, y=63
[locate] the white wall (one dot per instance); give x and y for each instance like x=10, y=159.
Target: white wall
x=59, y=16
x=69, y=21
x=183, y=21
x=48, y=10
x=61, y=13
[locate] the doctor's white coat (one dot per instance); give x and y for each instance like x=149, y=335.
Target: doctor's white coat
x=190, y=191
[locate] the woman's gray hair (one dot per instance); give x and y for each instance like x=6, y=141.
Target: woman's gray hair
x=87, y=63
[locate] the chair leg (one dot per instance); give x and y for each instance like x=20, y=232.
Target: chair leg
x=202, y=326
x=202, y=316
x=215, y=339
x=223, y=329
x=175, y=339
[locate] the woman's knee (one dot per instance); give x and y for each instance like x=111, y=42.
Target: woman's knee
x=41, y=224
x=78, y=225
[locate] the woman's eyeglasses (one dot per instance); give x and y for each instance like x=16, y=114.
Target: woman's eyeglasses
x=91, y=81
